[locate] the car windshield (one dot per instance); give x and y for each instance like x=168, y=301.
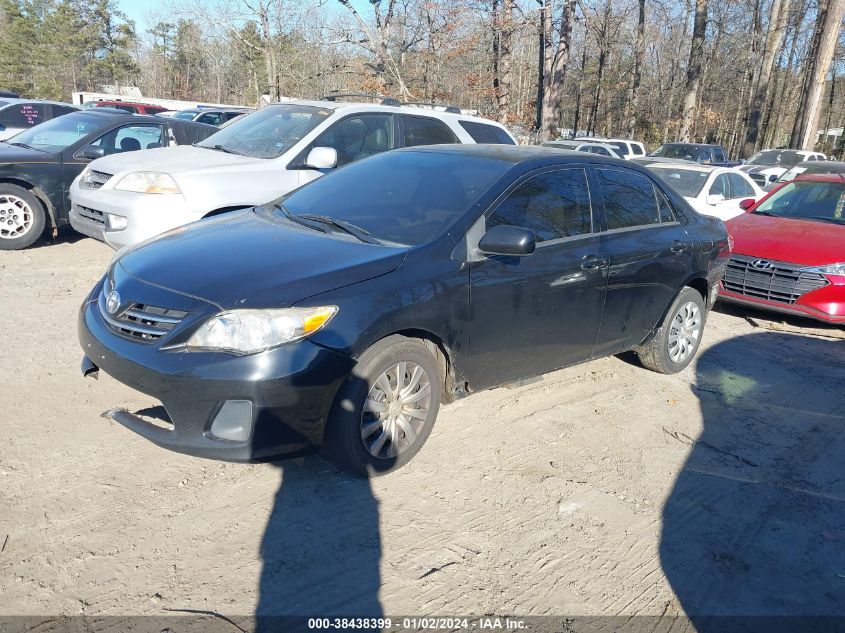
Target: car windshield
x=775, y=158
x=686, y=182
x=269, y=132
x=398, y=197
x=684, y=152
x=806, y=200
x=56, y=134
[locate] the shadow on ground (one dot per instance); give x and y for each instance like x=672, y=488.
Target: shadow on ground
x=755, y=523
x=321, y=549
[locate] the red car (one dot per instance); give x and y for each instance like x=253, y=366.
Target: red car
x=789, y=250
x=135, y=108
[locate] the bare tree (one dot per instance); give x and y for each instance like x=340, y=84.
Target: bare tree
x=632, y=102
x=696, y=58
x=777, y=26
x=555, y=74
x=828, y=25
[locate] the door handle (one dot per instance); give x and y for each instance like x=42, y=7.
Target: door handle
x=591, y=262
x=679, y=247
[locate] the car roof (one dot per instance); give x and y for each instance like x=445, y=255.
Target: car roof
x=838, y=178
x=692, y=144
x=530, y=156
x=347, y=106
x=7, y=101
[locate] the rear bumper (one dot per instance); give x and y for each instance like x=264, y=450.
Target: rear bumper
x=287, y=391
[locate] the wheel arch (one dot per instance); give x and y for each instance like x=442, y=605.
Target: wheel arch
x=442, y=352
x=39, y=193
x=696, y=281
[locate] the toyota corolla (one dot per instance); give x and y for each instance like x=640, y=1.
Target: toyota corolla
x=345, y=313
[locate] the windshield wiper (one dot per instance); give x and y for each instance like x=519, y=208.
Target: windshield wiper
x=821, y=219
x=356, y=231
x=25, y=146
x=297, y=219
x=219, y=148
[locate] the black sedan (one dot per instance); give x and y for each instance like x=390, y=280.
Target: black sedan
x=38, y=165
x=347, y=312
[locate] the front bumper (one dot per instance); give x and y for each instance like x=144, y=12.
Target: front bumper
x=826, y=304
x=143, y=215
x=290, y=389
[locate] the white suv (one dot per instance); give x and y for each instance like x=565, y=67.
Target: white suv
x=126, y=198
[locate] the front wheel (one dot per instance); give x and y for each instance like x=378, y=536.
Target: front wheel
x=22, y=217
x=385, y=410
x=676, y=341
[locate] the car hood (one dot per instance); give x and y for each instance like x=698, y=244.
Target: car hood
x=12, y=154
x=766, y=170
x=247, y=260
x=806, y=242
x=171, y=160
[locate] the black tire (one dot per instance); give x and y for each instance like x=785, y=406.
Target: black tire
x=17, y=203
x=655, y=354
x=343, y=442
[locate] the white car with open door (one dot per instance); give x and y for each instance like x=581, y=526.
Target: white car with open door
x=716, y=191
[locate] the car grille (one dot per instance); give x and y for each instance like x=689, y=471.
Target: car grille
x=780, y=282
x=91, y=214
x=140, y=322
x=94, y=179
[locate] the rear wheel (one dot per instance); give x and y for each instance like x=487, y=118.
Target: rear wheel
x=22, y=217
x=676, y=341
x=385, y=410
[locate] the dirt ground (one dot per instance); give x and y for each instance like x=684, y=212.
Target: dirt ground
x=603, y=489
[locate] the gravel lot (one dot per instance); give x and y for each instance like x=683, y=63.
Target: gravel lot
x=603, y=489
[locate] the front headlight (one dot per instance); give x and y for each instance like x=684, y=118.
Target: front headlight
x=250, y=331
x=830, y=269
x=148, y=182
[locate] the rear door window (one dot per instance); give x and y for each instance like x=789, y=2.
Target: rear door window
x=23, y=115
x=554, y=205
x=629, y=199
x=421, y=130
x=483, y=133
x=637, y=150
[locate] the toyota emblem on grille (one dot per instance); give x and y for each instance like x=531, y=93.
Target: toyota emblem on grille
x=761, y=264
x=113, y=302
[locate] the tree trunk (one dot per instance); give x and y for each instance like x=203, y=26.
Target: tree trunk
x=696, y=58
x=777, y=26
x=544, y=62
x=577, y=120
x=594, y=110
x=503, y=43
x=632, y=103
x=828, y=25
x=556, y=76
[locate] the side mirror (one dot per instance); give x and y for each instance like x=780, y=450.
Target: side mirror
x=321, y=158
x=91, y=152
x=745, y=205
x=508, y=240
x=713, y=200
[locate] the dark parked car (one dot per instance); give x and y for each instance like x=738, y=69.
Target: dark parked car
x=694, y=152
x=38, y=165
x=346, y=312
